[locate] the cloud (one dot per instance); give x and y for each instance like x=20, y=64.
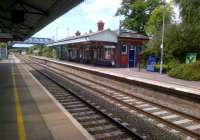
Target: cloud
x=100, y=9
x=95, y=10
x=100, y=6
x=83, y=18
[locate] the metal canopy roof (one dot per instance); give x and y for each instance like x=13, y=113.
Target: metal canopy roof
x=20, y=19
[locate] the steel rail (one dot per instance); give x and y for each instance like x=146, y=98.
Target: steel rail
x=168, y=123
x=120, y=125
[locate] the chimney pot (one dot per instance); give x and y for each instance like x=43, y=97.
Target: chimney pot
x=78, y=33
x=100, y=25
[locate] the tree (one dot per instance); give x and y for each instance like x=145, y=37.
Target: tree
x=154, y=24
x=190, y=26
x=137, y=13
x=189, y=11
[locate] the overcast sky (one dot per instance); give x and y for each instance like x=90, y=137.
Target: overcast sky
x=84, y=17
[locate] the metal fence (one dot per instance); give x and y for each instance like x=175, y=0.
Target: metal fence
x=3, y=53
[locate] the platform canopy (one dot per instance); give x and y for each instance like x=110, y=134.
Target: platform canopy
x=20, y=19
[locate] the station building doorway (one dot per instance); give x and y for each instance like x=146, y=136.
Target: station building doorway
x=132, y=56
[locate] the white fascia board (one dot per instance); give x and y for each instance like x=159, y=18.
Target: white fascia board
x=110, y=47
x=69, y=41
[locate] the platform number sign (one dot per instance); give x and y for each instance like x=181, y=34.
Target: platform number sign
x=191, y=58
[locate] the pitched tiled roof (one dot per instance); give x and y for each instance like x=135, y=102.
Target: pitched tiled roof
x=81, y=36
x=130, y=34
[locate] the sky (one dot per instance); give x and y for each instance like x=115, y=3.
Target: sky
x=84, y=17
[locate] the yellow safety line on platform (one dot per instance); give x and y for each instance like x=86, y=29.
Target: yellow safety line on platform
x=20, y=122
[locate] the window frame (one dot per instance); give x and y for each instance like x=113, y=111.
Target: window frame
x=126, y=49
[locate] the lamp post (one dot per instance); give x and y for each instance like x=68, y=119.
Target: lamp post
x=162, y=41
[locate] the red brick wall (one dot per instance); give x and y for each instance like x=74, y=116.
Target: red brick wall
x=124, y=60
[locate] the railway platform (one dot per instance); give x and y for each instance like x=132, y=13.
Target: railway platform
x=29, y=112
x=142, y=76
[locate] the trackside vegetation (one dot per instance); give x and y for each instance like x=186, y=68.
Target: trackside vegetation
x=45, y=51
x=186, y=71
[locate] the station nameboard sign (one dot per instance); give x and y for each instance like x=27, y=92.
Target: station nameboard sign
x=191, y=58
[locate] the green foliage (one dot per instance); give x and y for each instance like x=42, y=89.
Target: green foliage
x=186, y=71
x=137, y=13
x=153, y=28
x=172, y=64
x=3, y=45
x=168, y=66
x=54, y=53
x=187, y=33
x=154, y=24
x=30, y=50
x=165, y=68
x=44, y=51
x=47, y=51
x=180, y=41
x=152, y=48
x=177, y=43
x=189, y=11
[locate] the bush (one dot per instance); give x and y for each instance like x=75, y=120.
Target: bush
x=165, y=68
x=186, y=71
x=172, y=64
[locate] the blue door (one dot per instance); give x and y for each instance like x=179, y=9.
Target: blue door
x=131, y=58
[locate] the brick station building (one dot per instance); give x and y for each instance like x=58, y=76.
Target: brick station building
x=104, y=47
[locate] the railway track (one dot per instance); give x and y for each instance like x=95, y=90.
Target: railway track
x=102, y=124
x=166, y=117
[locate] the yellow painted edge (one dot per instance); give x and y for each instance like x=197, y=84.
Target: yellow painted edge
x=20, y=121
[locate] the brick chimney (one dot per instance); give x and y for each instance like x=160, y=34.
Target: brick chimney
x=100, y=25
x=78, y=33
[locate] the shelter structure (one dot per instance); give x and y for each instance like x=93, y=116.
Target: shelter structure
x=20, y=19
x=120, y=48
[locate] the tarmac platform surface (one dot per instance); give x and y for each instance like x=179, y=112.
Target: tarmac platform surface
x=29, y=112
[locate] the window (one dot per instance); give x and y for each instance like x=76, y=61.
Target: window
x=108, y=53
x=124, y=49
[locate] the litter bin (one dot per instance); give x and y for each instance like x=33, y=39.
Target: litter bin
x=151, y=63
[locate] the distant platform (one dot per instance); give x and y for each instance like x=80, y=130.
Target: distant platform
x=28, y=111
x=133, y=74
